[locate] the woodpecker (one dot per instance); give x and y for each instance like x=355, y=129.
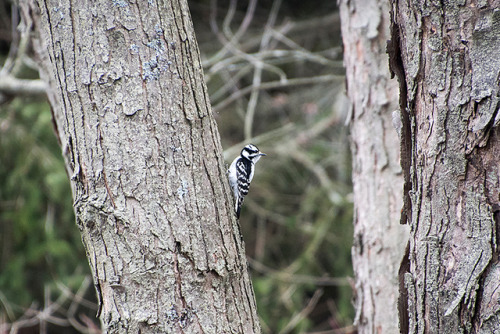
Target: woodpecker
x=241, y=173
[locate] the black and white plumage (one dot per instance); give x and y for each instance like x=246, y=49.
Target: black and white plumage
x=241, y=173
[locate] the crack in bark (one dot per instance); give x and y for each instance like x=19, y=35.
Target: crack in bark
x=97, y=284
x=404, y=268
x=237, y=310
x=178, y=277
x=397, y=69
x=83, y=120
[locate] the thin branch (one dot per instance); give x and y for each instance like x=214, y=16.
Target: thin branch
x=265, y=137
x=344, y=330
x=228, y=42
x=275, y=84
x=6, y=307
x=239, y=55
x=302, y=52
x=33, y=317
x=304, y=313
x=14, y=45
x=12, y=85
x=252, y=103
x=296, y=278
x=231, y=82
x=324, y=22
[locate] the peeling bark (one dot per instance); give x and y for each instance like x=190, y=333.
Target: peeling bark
x=450, y=55
x=379, y=239
x=144, y=156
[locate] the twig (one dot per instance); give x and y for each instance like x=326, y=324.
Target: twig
x=257, y=140
x=6, y=307
x=252, y=103
x=33, y=317
x=296, y=278
x=300, y=51
x=304, y=313
x=12, y=85
x=275, y=84
x=225, y=42
x=344, y=330
x=231, y=82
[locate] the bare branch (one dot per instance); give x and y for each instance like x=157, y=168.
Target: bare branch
x=275, y=84
x=296, y=278
x=12, y=85
x=252, y=103
x=304, y=313
x=54, y=311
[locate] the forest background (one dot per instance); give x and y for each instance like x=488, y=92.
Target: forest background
x=297, y=220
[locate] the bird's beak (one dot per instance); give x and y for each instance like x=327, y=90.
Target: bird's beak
x=262, y=154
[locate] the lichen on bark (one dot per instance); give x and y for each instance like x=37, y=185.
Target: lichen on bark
x=144, y=156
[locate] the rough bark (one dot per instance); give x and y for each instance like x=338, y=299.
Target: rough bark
x=450, y=69
x=379, y=239
x=144, y=155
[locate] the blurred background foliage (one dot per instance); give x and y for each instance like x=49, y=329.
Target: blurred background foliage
x=275, y=77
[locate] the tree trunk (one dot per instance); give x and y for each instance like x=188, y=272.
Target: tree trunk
x=446, y=55
x=379, y=239
x=144, y=155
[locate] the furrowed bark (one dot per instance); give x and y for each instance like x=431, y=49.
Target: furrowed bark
x=450, y=54
x=144, y=156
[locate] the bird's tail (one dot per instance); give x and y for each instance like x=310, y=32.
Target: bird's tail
x=239, y=202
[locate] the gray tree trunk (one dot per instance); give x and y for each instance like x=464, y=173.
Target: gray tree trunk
x=447, y=57
x=144, y=155
x=379, y=239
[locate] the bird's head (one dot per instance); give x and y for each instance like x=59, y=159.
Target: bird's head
x=252, y=153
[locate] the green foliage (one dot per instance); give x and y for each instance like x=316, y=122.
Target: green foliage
x=39, y=241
